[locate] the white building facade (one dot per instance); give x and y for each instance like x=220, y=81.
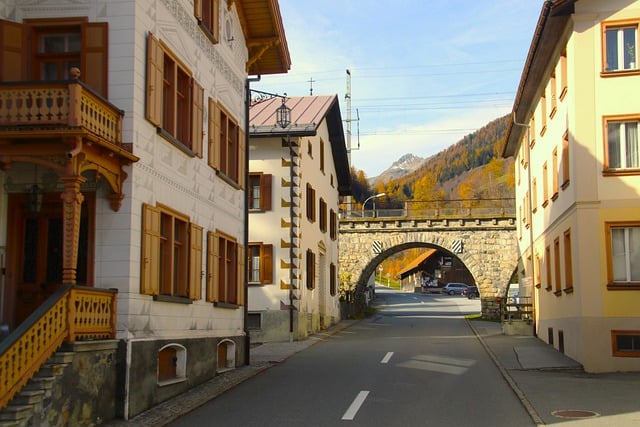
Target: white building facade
x=574, y=136
x=297, y=174
x=166, y=226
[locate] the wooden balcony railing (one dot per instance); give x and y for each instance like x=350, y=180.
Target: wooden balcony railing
x=72, y=313
x=68, y=104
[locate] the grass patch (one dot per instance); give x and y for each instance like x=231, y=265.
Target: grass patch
x=478, y=316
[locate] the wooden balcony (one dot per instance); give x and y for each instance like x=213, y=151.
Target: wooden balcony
x=47, y=109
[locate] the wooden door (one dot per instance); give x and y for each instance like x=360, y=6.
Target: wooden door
x=35, y=255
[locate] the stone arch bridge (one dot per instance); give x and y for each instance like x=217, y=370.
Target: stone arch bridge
x=484, y=240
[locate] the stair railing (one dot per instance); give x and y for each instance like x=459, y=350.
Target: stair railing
x=72, y=313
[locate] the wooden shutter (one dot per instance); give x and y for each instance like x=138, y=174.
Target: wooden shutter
x=265, y=192
x=195, y=262
x=197, y=9
x=197, y=117
x=216, y=19
x=150, y=270
x=242, y=262
x=216, y=268
x=155, y=60
x=242, y=164
x=211, y=260
x=266, y=267
x=11, y=48
x=214, y=134
x=95, y=54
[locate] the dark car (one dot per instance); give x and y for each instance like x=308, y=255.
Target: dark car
x=471, y=292
x=454, y=288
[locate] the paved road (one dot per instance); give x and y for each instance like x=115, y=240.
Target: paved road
x=415, y=363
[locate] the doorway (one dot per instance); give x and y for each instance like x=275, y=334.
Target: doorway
x=35, y=251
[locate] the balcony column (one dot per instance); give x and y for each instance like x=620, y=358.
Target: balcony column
x=71, y=209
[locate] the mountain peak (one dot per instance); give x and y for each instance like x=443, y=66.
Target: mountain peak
x=404, y=165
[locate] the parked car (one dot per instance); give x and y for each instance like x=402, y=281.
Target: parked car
x=454, y=288
x=471, y=292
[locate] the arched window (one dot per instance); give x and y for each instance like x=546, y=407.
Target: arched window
x=172, y=363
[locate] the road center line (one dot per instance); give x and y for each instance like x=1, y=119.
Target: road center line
x=387, y=357
x=355, y=405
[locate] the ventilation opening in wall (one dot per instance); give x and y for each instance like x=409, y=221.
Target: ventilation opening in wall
x=226, y=355
x=550, y=335
x=561, y=340
x=254, y=321
x=172, y=361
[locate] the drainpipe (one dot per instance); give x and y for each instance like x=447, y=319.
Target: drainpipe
x=247, y=103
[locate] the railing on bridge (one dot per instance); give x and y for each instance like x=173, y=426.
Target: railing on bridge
x=517, y=308
x=458, y=208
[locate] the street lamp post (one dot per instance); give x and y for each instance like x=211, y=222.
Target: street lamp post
x=369, y=198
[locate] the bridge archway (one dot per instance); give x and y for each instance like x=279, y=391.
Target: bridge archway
x=486, y=246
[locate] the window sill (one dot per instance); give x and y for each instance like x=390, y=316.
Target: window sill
x=631, y=286
x=208, y=32
x=226, y=178
x=565, y=185
x=557, y=293
x=226, y=305
x=170, y=298
x=175, y=142
x=619, y=73
x=548, y=288
x=545, y=203
x=568, y=290
x=620, y=172
x=171, y=381
x=555, y=196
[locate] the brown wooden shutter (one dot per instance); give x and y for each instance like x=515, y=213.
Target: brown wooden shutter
x=242, y=262
x=216, y=268
x=11, y=48
x=197, y=9
x=214, y=134
x=242, y=164
x=155, y=59
x=197, y=118
x=265, y=192
x=149, y=265
x=266, y=258
x=195, y=262
x=94, y=67
x=216, y=19
x=211, y=242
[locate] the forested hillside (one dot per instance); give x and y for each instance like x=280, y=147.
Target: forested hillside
x=470, y=168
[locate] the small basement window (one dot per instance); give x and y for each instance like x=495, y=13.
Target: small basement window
x=172, y=362
x=226, y=355
x=625, y=343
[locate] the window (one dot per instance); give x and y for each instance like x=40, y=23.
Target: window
x=311, y=203
x=225, y=270
x=333, y=225
x=260, y=261
x=545, y=185
x=554, y=99
x=333, y=279
x=622, y=144
x=532, y=133
x=566, y=172
x=543, y=113
x=311, y=269
x=556, y=264
x=625, y=343
x=323, y=215
x=226, y=147
x=547, y=267
x=174, y=99
x=620, y=46
x=260, y=191
x=623, y=253
x=537, y=272
x=534, y=194
x=321, y=155
x=171, y=255
x=47, y=49
x=207, y=12
x=555, y=171
x=172, y=364
x=568, y=263
x=563, y=74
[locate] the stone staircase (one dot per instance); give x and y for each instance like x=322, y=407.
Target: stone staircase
x=30, y=400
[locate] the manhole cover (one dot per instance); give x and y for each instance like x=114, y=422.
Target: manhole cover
x=574, y=413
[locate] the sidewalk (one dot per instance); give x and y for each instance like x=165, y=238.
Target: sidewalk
x=552, y=387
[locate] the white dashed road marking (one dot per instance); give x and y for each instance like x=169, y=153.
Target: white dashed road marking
x=355, y=405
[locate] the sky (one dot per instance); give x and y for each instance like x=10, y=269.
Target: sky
x=424, y=73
